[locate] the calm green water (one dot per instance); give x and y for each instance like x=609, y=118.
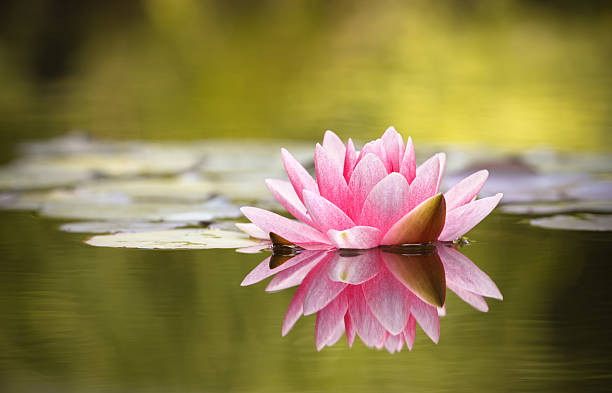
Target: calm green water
x=80, y=319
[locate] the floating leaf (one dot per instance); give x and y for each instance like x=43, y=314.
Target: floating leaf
x=176, y=239
x=119, y=226
x=561, y=207
x=584, y=222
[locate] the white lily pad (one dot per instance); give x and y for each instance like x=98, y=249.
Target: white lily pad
x=584, y=222
x=561, y=207
x=176, y=239
x=119, y=226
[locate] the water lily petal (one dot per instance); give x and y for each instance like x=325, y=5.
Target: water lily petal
x=330, y=178
x=392, y=142
x=377, y=148
x=350, y=159
x=408, y=163
x=325, y=215
x=389, y=301
x=285, y=194
x=329, y=320
x=252, y=230
x=333, y=144
x=463, y=273
x=394, y=343
x=299, y=177
x=426, y=181
x=294, y=231
x=358, y=237
x=460, y=220
x=386, y=203
x=368, y=172
x=422, y=224
x=466, y=190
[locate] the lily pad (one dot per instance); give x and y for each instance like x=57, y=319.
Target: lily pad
x=584, y=222
x=561, y=207
x=176, y=239
x=119, y=226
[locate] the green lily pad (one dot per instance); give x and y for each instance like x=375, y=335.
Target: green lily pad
x=584, y=222
x=119, y=226
x=176, y=239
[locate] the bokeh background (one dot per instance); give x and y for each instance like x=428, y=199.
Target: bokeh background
x=511, y=73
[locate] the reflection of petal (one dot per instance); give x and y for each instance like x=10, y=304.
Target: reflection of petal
x=296, y=306
x=389, y=301
x=321, y=291
x=371, y=332
x=462, y=272
x=329, y=320
x=294, y=275
x=427, y=317
x=350, y=329
x=470, y=298
x=354, y=268
x=263, y=270
x=423, y=274
x=410, y=332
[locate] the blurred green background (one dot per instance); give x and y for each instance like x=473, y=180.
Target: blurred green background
x=511, y=73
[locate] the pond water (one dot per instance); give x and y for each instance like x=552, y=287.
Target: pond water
x=83, y=318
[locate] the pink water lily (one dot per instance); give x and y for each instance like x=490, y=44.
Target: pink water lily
x=363, y=199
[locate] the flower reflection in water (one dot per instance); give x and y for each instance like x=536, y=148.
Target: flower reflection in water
x=378, y=294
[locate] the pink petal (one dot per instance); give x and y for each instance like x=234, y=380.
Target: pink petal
x=350, y=329
x=425, y=184
x=299, y=177
x=386, y=203
x=427, y=317
x=337, y=335
x=408, y=163
x=294, y=231
x=355, y=268
x=389, y=301
x=350, y=159
x=296, y=306
x=359, y=237
x=377, y=148
x=392, y=141
x=370, y=330
x=325, y=215
x=442, y=311
x=285, y=194
x=322, y=290
x=463, y=273
x=460, y=220
x=330, y=178
x=474, y=300
x=263, y=271
x=368, y=172
x=394, y=343
x=466, y=190
x=410, y=332
x=253, y=230
x=422, y=224
x=295, y=273
x=329, y=319
x=333, y=144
